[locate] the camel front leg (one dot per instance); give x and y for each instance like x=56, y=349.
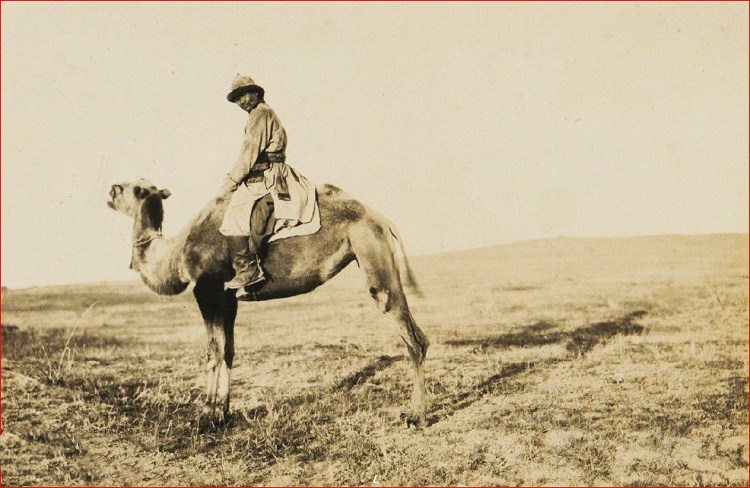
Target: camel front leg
x=225, y=370
x=222, y=393
x=217, y=372
x=219, y=310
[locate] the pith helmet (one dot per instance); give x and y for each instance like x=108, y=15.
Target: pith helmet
x=241, y=85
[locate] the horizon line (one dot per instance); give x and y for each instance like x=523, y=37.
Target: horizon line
x=413, y=256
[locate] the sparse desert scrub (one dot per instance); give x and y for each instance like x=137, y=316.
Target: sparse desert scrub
x=563, y=362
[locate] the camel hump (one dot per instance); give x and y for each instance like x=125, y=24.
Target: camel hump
x=331, y=191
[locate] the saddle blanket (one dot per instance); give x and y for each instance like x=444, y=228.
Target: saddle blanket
x=296, y=210
x=282, y=231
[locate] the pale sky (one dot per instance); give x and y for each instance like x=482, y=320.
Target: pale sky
x=468, y=124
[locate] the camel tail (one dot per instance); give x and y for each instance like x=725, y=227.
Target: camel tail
x=409, y=279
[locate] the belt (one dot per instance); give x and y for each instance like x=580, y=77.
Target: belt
x=275, y=157
x=262, y=164
x=270, y=157
x=259, y=168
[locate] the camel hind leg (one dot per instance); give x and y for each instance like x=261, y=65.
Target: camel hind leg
x=416, y=344
x=374, y=253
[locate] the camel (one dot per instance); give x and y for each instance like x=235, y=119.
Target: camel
x=295, y=265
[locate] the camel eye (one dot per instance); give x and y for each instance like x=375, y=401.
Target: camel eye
x=140, y=192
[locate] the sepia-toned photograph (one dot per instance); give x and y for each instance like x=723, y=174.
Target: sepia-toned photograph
x=374, y=243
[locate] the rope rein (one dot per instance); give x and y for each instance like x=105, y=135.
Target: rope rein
x=143, y=240
x=147, y=238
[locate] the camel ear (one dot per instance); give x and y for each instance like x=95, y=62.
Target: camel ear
x=164, y=193
x=140, y=192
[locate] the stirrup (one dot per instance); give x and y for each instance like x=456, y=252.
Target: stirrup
x=247, y=292
x=257, y=276
x=253, y=284
x=235, y=284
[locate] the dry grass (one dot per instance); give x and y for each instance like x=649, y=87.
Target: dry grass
x=561, y=362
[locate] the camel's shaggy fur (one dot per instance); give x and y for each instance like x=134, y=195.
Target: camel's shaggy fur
x=349, y=231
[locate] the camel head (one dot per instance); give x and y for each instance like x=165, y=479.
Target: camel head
x=128, y=198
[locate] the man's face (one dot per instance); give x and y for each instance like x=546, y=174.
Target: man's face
x=248, y=101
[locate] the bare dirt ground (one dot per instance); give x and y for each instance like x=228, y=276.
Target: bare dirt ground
x=556, y=362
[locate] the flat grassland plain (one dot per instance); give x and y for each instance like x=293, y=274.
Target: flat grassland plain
x=561, y=361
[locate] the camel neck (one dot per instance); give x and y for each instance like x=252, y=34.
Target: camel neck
x=157, y=261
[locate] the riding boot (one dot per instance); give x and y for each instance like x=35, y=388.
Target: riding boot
x=261, y=228
x=246, y=265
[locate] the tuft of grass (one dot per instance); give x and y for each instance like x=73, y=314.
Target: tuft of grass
x=55, y=372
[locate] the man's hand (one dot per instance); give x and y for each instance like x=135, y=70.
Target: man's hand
x=228, y=186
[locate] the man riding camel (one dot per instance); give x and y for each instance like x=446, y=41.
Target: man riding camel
x=268, y=195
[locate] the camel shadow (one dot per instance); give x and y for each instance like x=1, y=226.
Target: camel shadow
x=362, y=375
x=580, y=340
x=348, y=383
x=578, y=343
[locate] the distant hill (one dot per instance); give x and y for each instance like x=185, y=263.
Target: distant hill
x=620, y=258
x=658, y=243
